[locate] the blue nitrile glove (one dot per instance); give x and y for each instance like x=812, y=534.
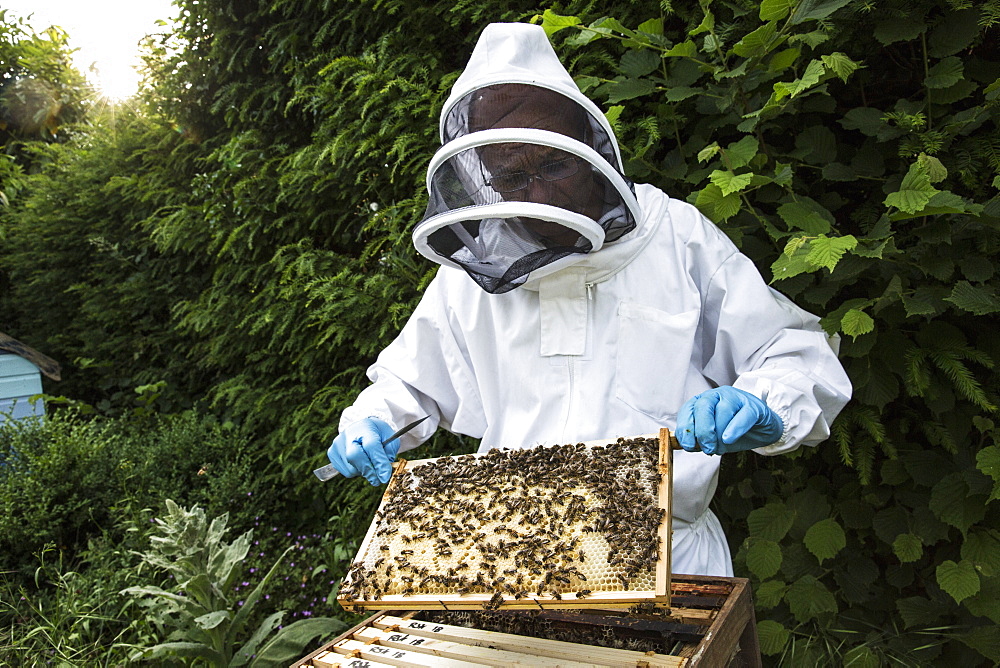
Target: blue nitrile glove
x=358, y=450
x=726, y=420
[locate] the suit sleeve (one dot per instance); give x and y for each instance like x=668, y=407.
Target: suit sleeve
x=757, y=340
x=424, y=371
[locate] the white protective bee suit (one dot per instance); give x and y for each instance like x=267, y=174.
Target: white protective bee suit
x=606, y=340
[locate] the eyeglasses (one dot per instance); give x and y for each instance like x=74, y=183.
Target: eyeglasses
x=550, y=171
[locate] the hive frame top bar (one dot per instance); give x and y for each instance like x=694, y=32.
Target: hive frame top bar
x=374, y=548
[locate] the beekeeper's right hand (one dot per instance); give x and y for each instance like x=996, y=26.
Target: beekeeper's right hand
x=359, y=450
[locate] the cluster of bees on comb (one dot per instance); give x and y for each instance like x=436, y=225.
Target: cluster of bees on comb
x=543, y=522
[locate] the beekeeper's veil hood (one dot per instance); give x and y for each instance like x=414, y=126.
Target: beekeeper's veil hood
x=529, y=178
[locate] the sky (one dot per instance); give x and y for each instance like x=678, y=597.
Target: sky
x=106, y=32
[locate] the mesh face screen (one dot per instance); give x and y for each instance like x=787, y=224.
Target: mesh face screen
x=541, y=523
x=499, y=253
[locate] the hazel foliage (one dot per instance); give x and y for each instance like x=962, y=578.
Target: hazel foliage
x=849, y=148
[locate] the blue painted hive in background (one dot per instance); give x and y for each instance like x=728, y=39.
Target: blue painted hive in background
x=21, y=369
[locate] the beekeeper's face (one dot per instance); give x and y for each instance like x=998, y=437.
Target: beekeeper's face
x=524, y=172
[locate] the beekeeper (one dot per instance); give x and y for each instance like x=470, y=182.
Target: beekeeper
x=573, y=305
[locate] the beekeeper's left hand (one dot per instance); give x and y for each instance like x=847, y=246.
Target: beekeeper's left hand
x=726, y=419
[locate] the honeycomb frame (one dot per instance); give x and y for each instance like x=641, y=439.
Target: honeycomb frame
x=585, y=525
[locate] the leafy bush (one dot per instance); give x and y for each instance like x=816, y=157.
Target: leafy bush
x=69, y=478
x=852, y=148
x=200, y=608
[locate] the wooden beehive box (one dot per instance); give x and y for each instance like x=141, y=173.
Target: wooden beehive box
x=21, y=369
x=710, y=625
x=570, y=526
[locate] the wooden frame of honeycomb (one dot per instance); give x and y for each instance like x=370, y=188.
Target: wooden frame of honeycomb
x=586, y=525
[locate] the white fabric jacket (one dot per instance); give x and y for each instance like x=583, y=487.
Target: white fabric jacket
x=613, y=346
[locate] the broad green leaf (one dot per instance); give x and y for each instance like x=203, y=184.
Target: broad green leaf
x=986, y=602
x=977, y=268
x=786, y=266
x=958, y=580
x=286, y=645
x=716, y=206
x=639, y=63
x=611, y=23
x=775, y=10
x=708, y=152
x=914, y=192
x=707, y=24
x=946, y=73
x=811, y=39
x=826, y=251
x=769, y=593
x=988, y=461
x=794, y=245
x=782, y=173
x=811, y=77
x=889, y=523
x=837, y=171
x=729, y=182
x=907, y=547
x=190, y=650
x=771, y=521
x=805, y=216
x=816, y=145
x=981, y=548
x=627, y=89
x=952, y=502
x=586, y=83
x=976, y=299
x=856, y=322
x=772, y=637
x=840, y=64
x=249, y=649
x=917, y=611
x=763, y=557
x=867, y=120
x=809, y=598
x=652, y=27
x=936, y=171
x=212, y=619
x=816, y=10
x=941, y=202
x=758, y=42
x=984, y=639
x=685, y=49
x=740, y=153
x=825, y=539
x=991, y=93
x=926, y=300
x=613, y=114
x=679, y=93
x=784, y=59
x=899, y=29
x=955, y=32
x=553, y=23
